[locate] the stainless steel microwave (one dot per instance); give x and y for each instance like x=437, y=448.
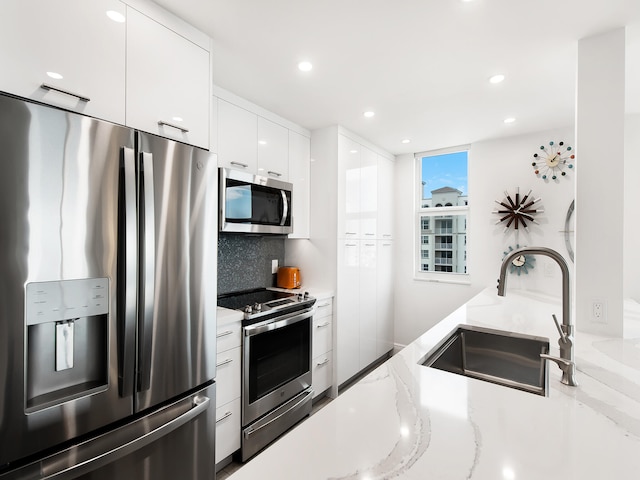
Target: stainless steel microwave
x=254, y=204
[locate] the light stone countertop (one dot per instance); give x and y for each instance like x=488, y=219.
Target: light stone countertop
x=408, y=421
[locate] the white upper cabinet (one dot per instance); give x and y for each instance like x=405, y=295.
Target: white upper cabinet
x=368, y=193
x=299, y=171
x=167, y=82
x=77, y=43
x=273, y=150
x=385, y=198
x=349, y=154
x=237, y=137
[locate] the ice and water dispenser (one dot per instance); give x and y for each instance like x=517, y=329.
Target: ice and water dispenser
x=67, y=340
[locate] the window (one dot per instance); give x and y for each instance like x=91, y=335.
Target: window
x=442, y=210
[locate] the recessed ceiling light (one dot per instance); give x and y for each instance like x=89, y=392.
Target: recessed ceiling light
x=55, y=75
x=406, y=140
x=369, y=114
x=262, y=142
x=116, y=16
x=509, y=120
x=353, y=151
x=177, y=119
x=305, y=66
x=496, y=78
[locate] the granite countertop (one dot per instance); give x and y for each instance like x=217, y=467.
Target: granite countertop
x=408, y=421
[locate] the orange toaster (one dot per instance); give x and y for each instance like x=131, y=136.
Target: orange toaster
x=288, y=277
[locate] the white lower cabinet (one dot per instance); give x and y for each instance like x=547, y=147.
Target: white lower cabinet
x=229, y=389
x=228, y=373
x=322, y=373
x=364, y=304
x=322, y=349
x=227, y=429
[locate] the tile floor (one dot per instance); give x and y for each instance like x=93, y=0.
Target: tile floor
x=233, y=466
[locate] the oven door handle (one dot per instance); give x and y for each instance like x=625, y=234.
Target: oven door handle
x=279, y=323
x=253, y=429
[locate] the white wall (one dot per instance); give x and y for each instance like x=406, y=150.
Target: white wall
x=631, y=256
x=600, y=125
x=494, y=166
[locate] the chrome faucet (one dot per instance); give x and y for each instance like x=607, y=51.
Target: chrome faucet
x=566, y=360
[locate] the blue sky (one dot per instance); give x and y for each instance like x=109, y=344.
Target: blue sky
x=448, y=170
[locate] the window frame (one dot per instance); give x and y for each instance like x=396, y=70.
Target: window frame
x=432, y=212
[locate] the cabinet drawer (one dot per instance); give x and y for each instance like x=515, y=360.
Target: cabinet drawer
x=227, y=429
x=324, y=308
x=228, y=374
x=322, y=338
x=228, y=336
x=322, y=373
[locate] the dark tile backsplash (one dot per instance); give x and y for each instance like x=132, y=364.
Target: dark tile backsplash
x=244, y=261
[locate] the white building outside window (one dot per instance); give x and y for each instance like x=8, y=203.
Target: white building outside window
x=442, y=210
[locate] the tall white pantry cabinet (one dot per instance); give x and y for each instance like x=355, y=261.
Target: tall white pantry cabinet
x=354, y=237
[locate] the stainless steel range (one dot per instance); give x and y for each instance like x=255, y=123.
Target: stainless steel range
x=276, y=363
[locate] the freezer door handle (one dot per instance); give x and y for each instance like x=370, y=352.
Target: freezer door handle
x=128, y=303
x=92, y=454
x=148, y=258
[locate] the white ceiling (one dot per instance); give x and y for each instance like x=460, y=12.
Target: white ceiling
x=421, y=65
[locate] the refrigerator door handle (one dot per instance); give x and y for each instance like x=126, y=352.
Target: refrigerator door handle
x=91, y=455
x=129, y=302
x=148, y=258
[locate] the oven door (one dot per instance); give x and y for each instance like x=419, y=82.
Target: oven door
x=276, y=364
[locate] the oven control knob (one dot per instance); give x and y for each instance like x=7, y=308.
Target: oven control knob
x=248, y=309
x=306, y=295
x=257, y=307
x=300, y=297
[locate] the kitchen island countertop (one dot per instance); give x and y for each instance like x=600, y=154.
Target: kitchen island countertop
x=407, y=421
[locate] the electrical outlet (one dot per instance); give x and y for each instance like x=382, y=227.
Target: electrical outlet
x=274, y=265
x=599, y=311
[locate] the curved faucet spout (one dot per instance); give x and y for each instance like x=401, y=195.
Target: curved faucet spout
x=566, y=330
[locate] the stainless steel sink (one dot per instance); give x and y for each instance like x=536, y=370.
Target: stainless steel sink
x=496, y=356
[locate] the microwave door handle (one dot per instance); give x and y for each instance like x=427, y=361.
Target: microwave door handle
x=148, y=263
x=127, y=333
x=285, y=208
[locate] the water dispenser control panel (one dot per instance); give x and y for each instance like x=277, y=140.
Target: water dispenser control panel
x=66, y=299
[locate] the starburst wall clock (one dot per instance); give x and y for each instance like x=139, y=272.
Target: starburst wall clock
x=522, y=263
x=553, y=161
x=517, y=211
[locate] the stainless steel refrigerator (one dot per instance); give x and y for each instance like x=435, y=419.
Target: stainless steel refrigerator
x=107, y=300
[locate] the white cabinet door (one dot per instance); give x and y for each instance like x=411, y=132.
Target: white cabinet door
x=299, y=171
x=237, y=137
x=74, y=39
x=368, y=303
x=385, y=198
x=321, y=335
x=273, y=150
x=384, y=298
x=227, y=429
x=368, y=193
x=349, y=153
x=321, y=373
x=228, y=375
x=348, y=309
x=167, y=82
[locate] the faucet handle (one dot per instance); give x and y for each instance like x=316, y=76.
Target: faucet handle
x=563, y=335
